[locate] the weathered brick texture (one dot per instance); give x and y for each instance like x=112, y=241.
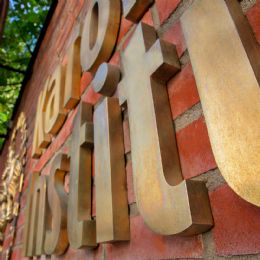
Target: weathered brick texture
x=236, y=230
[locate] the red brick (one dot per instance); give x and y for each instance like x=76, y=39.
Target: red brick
x=23, y=200
x=253, y=16
x=130, y=184
x=8, y=241
x=93, y=164
x=7, y=229
x=147, y=18
x=85, y=81
x=18, y=236
x=194, y=148
x=85, y=253
x=175, y=35
x=93, y=204
x=237, y=229
x=91, y=96
x=21, y=218
x=166, y=8
x=115, y=59
x=127, y=40
x=124, y=28
x=127, y=142
x=144, y=244
x=182, y=90
x=17, y=254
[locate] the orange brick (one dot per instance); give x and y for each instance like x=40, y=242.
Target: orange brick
x=182, y=90
x=194, y=149
x=253, y=16
x=127, y=142
x=91, y=96
x=166, y=8
x=124, y=28
x=147, y=18
x=85, y=81
x=175, y=35
x=144, y=244
x=84, y=253
x=237, y=229
x=130, y=184
x=18, y=236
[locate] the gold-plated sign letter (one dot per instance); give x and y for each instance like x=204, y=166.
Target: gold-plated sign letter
x=229, y=93
x=99, y=32
x=81, y=226
x=55, y=113
x=73, y=76
x=106, y=79
x=111, y=196
x=37, y=218
x=56, y=238
x=168, y=204
x=135, y=9
x=28, y=209
x=40, y=139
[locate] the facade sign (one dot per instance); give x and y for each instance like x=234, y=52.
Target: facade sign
x=168, y=204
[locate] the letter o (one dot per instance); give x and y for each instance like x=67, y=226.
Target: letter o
x=100, y=32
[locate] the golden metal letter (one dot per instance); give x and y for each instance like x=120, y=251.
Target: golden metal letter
x=55, y=114
x=106, y=79
x=110, y=177
x=229, y=93
x=28, y=210
x=135, y=9
x=37, y=218
x=81, y=226
x=73, y=76
x=100, y=31
x=168, y=204
x=56, y=238
x=40, y=139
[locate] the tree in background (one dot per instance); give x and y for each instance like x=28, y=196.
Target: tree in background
x=22, y=28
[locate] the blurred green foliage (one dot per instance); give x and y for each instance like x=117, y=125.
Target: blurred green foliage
x=22, y=28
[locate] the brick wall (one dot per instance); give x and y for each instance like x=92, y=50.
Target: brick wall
x=236, y=232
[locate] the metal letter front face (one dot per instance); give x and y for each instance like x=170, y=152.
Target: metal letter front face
x=40, y=139
x=99, y=33
x=81, y=226
x=73, y=76
x=38, y=215
x=34, y=231
x=168, y=204
x=135, y=9
x=55, y=114
x=27, y=226
x=229, y=93
x=56, y=238
x=110, y=176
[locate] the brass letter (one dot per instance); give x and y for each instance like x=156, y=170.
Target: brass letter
x=35, y=217
x=73, y=76
x=168, y=204
x=229, y=93
x=110, y=178
x=100, y=31
x=106, y=79
x=135, y=9
x=56, y=239
x=53, y=105
x=40, y=139
x=81, y=226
